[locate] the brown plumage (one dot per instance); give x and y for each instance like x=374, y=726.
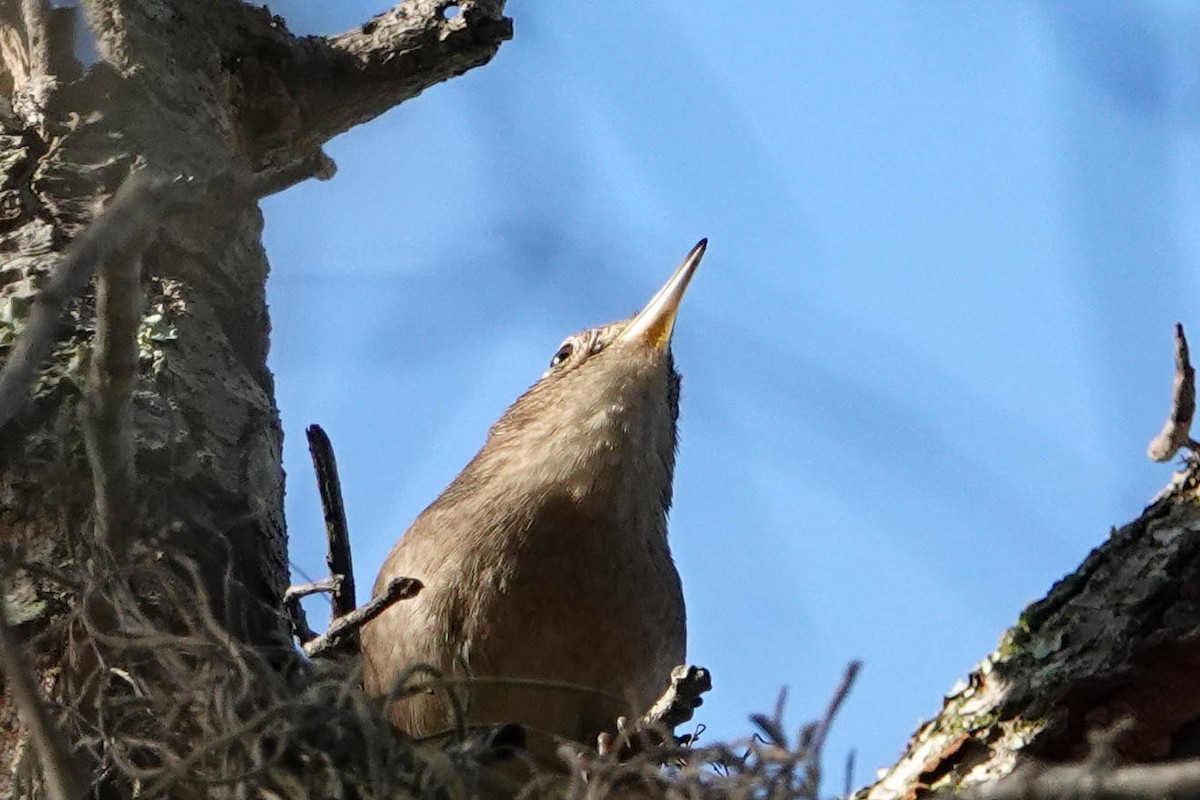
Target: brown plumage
x=546, y=559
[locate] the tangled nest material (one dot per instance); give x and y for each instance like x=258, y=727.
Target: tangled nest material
x=156, y=699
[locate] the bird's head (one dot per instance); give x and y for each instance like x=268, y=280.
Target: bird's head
x=610, y=398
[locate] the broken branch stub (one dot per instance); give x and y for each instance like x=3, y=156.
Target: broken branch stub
x=1177, y=430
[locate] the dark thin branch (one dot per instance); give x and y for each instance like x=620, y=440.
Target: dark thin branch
x=345, y=619
x=819, y=731
x=1177, y=430
x=334, y=640
x=772, y=726
x=62, y=780
x=341, y=564
x=835, y=705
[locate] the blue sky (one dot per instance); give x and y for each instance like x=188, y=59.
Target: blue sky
x=923, y=357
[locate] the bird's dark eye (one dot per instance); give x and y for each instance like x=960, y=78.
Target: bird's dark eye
x=562, y=355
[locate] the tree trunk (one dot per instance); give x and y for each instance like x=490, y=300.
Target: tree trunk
x=201, y=89
x=1118, y=639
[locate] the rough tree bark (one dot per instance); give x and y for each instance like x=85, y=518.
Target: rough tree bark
x=207, y=88
x=1116, y=640
x=197, y=88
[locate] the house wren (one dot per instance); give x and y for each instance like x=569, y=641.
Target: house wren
x=549, y=584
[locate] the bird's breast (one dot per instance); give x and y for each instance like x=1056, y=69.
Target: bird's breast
x=583, y=596
x=550, y=565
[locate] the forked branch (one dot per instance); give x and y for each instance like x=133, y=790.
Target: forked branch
x=345, y=628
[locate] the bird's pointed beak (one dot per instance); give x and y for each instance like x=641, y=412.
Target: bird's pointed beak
x=654, y=323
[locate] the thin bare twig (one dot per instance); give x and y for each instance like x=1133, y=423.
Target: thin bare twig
x=291, y=603
x=128, y=215
x=334, y=639
x=813, y=735
x=1177, y=430
x=299, y=619
x=341, y=564
x=327, y=586
x=62, y=780
x=835, y=705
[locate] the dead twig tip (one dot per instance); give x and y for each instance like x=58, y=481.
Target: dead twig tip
x=1176, y=431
